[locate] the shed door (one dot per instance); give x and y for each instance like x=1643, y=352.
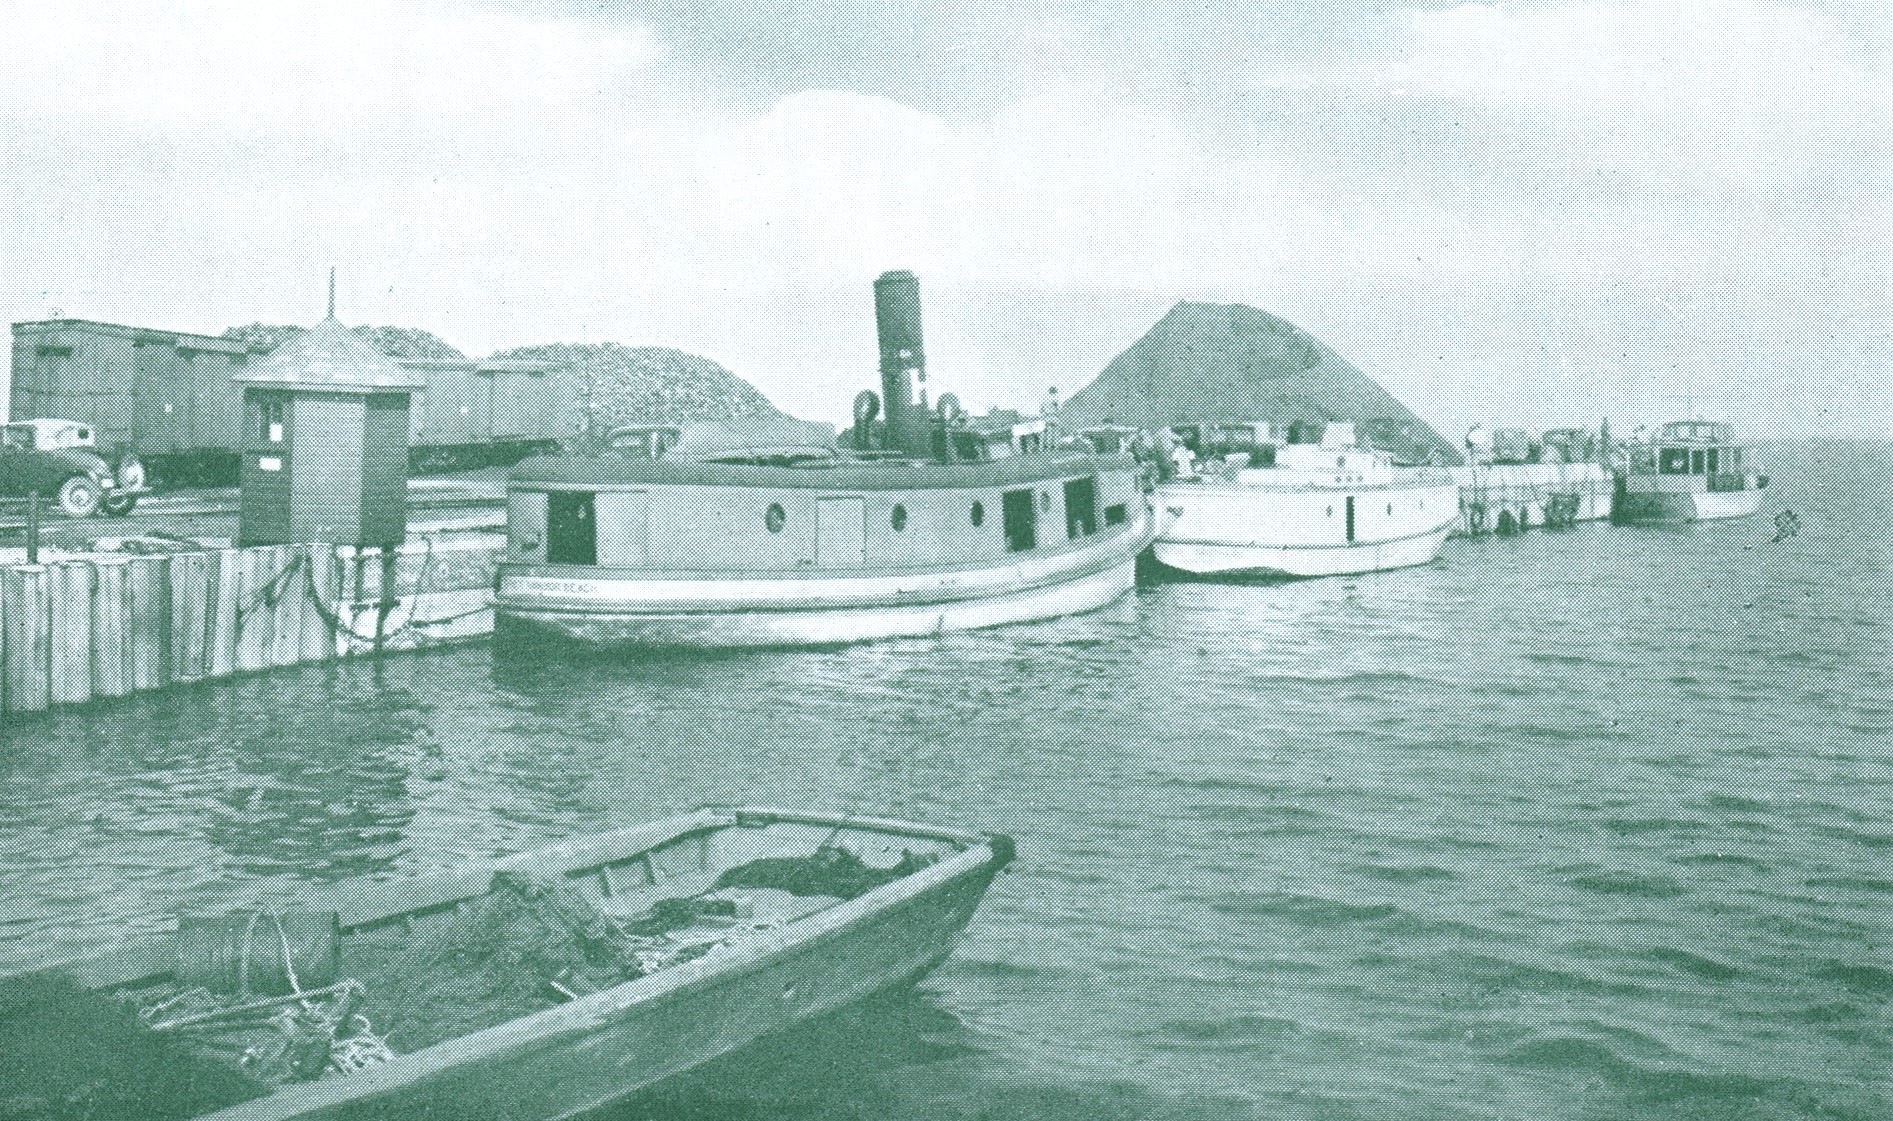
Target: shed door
x=840, y=532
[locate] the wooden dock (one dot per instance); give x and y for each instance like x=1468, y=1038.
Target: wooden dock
x=103, y=625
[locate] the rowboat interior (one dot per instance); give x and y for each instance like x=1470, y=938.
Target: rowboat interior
x=375, y=973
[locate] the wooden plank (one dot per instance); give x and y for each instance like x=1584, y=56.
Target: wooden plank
x=289, y=589
x=69, y=594
x=221, y=652
x=320, y=589
x=147, y=623
x=190, y=588
x=254, y=615
x=108, y=628
x=28, y=665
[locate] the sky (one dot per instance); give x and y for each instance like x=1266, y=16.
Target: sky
x=1515, y=213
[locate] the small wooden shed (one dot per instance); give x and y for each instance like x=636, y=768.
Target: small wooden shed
x=325, y=442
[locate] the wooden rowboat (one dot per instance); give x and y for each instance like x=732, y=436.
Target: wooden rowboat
x=719, y=927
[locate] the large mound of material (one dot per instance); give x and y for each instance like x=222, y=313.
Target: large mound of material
x=1208, y=363
x=614, y=385
x=395, y=342
x=69, y=1053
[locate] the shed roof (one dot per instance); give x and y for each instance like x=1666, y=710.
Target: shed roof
x=330, y=356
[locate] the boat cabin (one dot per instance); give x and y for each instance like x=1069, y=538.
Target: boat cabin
x=1700, y=448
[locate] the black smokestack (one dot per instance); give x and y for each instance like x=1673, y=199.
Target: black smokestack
x=903, y=361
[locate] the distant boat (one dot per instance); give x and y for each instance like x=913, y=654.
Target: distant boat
x=742, y=534
x=1259, y=507
x=718, y=928
x=1692, y=470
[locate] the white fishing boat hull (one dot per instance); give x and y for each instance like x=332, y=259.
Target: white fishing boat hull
x=1240, y=530
x=1673, y=506
x=627, y=608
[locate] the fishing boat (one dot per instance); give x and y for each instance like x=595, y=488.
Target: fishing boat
x=1254, y=506
x=541, y=985
x=735, y=534
x=1691, y=470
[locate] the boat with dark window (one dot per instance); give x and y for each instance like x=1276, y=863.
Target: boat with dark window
x=1691, y=470
x=737, y=534
x=1258, y=507
x=539, y=985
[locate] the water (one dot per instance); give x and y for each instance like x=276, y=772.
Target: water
x=1595, y=823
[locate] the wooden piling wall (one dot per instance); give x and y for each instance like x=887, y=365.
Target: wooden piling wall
x=105, y=625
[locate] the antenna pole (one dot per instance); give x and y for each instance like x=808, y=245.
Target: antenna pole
x=331, y=291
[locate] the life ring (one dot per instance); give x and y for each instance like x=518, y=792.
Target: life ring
x=1475, y=517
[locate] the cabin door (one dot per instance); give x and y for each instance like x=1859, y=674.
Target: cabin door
x=1350, y=518
x=622, y=526
x=840, y=532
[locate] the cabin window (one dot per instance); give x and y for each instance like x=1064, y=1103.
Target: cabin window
x=1711, y=461
x=979, y=513
x=1695, y=462
x=775, y=518
x=571, y=528
x=1021, y=518
x=1116, y=514
x=1081, y=507
x=1735, y=459
x=54, y=352
x=270, y=416
x=898, y=519
x=1045, y=502
x=1390, y=509
x=1673, y=461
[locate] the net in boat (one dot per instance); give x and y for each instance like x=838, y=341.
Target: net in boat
x=530, y=943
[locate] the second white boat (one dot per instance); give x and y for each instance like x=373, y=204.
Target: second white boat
x=1259, y=508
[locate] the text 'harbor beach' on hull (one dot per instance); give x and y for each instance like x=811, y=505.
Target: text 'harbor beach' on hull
x=766, y=534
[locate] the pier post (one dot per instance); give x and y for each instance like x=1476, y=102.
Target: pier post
x=318, y=601
x=288, y=590
x=69, y=615
x=255, y=618
x=25, y=638
x=222, y=596
x=190, y=582
x=109, y=678
x=147, y=623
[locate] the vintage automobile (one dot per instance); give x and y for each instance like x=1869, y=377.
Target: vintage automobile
x=57, y=460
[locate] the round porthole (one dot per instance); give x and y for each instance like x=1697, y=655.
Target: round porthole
x=899, y=518
x=1045, y=502
x=775, y=519
x=979, y=513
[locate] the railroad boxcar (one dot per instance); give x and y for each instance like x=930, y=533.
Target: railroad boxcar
x=169, y=397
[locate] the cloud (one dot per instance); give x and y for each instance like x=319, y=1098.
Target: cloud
x=306, y=67
x=1715, y=63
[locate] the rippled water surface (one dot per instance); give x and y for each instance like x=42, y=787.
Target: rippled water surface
x=1595, y=823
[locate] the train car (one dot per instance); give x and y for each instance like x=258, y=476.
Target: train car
x=168, y=396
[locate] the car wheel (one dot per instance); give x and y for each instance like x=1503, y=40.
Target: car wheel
x=118, y=503
x=79, y=496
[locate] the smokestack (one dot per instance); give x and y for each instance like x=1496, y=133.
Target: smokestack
x=903, y=361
